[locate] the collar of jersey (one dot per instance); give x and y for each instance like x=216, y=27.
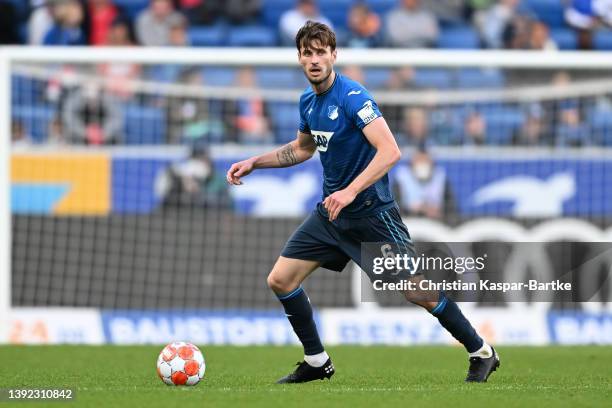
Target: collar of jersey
x=330, y=88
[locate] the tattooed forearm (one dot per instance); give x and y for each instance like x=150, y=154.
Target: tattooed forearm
x=286, y=155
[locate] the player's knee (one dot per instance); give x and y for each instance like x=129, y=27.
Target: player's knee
x=278, y=283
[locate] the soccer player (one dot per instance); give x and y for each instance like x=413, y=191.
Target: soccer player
x=340, y=119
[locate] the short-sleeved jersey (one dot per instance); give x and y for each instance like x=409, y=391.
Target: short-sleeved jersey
x=335, y=119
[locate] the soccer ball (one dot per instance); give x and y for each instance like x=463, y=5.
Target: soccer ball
x=181, y=363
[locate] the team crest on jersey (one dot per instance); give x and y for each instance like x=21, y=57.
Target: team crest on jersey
x=332, y=112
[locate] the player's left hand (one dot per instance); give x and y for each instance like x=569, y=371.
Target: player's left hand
x=335, y=202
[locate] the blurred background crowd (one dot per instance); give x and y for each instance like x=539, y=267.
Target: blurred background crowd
x=105, y=104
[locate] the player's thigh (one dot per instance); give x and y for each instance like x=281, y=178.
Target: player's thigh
x=288, y=273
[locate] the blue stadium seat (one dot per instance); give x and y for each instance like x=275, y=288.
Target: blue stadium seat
x=271, y=11
x=502, y=123
x=376, y=77
x=287, y=78
x=382, y=6
x=252, y=36
x=207, y=36
x=601, y=121
x=35, y=119
x=219, y=76
x=336, y=11
x=26, y=90
x=131, y=7
x=432, y=78
x=547, y=11
x=602, y=40
x=144, y=125
x=565, y=38
x=480, y=78
x=464, y=37
x=285, y=118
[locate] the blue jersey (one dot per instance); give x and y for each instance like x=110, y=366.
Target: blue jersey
x=335, y=119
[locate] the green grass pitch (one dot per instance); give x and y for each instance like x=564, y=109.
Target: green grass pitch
x=116, y=376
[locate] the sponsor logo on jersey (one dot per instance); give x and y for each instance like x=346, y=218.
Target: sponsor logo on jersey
x=353, y=93
x=332, y=112
x=321, y=139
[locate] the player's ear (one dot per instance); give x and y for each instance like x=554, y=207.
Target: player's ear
x=334, y=55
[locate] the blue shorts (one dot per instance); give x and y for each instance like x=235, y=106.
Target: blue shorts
x=334, y=244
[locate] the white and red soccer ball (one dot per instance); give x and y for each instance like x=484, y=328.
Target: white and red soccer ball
x=181, y=363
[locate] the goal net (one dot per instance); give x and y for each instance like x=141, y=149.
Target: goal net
x=113, y=168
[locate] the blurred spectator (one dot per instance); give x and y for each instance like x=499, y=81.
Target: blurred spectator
x=177, y=36
x=401, y=79
x=534, y=131
x=410, y=26
x=292, y=20
x=415, y=128
x=587, y=15
x=354, y=72
x=539, y=37
x=447, y=11
x=102, y=14
x=19, y=135
x=191, y=119
x=474, y=129
x=202, y=12
x=493, y=23
x=67, y=26
x=251, y=121
x=364, y=27
x=56, y=133
x=193, y=183
x=571, y=130
x=119, y=76
x=91, y=117
x=153, y=25
x=241, y=11
x=8, y=23
x=40, y=22
x=422, y=188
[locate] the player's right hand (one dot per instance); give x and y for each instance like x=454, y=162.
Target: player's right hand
x=240, y=169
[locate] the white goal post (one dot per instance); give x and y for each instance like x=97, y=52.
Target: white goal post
x=9, y=56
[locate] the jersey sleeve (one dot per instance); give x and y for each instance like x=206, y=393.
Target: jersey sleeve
x=361, y=107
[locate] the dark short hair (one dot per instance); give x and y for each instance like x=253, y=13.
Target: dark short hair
x=313, y=31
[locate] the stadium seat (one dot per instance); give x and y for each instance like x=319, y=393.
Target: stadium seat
x=547, y=11
x=207, y=36
x=35, y=119
x=336, y=11
x=382, y=6
x=278, y=78
x=480, y=78
x=459, y=38
x=219, y=76
x=601, y=122
x=565, y=38
x=144, y=125
x=602, y=40
x=131, y=7
x=252, y=36
x=432, y=78
x=271, y=11
x=376, y=77
x=285, y=118
x=502, y=124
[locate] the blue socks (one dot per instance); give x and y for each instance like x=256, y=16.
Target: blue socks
x=451, y=318
x=299, y=312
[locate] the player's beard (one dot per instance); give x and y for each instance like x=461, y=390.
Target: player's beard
x=318, y=81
